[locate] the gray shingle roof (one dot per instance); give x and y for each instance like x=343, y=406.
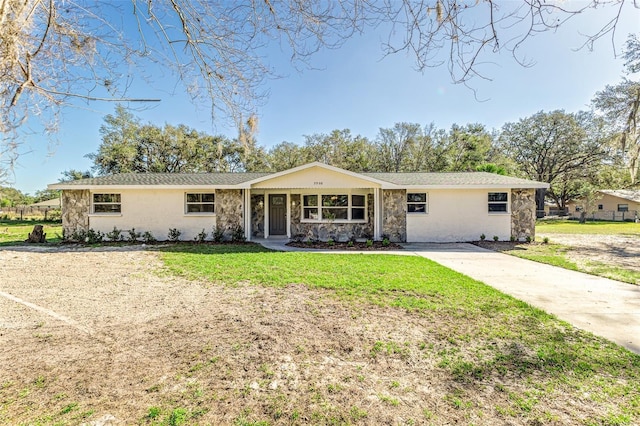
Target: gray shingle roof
x=483, y=179
x=466, y=179
x=186, y=179
x=625, y=194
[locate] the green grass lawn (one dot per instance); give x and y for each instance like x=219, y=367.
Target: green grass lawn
x=485, y=338
x=14, y=232
x=595, y=227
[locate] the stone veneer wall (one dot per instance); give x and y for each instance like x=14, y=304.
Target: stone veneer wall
x=523, y=213
x=394, y=207
x=228, y=210
x=322, y=231
x=257, y=216
x=76, y=206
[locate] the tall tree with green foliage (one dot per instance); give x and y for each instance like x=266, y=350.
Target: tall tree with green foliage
x=620, y=104
x=555, y=147
x=129, y=146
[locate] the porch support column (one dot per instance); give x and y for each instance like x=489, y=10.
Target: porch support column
x=247, y=214
x=377, y=213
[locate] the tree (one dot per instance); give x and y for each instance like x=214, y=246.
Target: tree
x=555, y=147
x=286, y=155
x=469, y=146
x=73, y=174
x=128, y=146
x=394, y=146
x=52, y=52
x=620, y=104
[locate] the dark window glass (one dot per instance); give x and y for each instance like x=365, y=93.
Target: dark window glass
x=106, y=198
x=623, y=207
x=417, y=197
x=416, y=208
x=357, y=214
x=497, y=207
x=498, y=196
x=310, y=200
x=335, y=200
x=357, y=200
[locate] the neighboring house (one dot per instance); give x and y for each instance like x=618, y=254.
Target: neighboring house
x=609, y=204
x=54, y=203
x=313, y=201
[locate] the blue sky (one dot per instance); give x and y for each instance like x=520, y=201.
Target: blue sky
x=354, y=87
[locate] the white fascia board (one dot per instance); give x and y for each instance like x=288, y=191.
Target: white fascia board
x=536, y=185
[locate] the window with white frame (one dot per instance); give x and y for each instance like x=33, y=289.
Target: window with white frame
x=623, y=207
x=416, y=202
x=107, y=203
x=497, y=202
x=200, y=202
x=329, y=207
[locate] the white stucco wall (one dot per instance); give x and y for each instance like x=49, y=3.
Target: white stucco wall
x=155, y=211
x=458, y=215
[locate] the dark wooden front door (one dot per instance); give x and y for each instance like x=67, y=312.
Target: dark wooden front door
x=277, y=214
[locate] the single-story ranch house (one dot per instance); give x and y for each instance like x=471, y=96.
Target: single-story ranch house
x=313, y=201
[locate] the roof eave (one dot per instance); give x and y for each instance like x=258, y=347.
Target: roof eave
x=62, y=186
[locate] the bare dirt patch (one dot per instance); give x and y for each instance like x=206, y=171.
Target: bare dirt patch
x=150, y=347
x=590, y=252
x=615, y=250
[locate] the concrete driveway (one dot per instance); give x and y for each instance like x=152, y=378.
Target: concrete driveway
x=605, y=307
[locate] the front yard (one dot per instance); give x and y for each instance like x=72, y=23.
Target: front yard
x=607, y=249
x=13, y=232
x=200, y=334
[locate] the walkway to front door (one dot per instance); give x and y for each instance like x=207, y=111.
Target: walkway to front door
x=277, y=214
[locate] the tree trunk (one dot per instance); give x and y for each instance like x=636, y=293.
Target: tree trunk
x=37, y=235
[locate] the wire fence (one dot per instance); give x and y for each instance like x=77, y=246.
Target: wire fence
x=613, y=215
x=29, y=212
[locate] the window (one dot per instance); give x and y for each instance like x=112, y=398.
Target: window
x=310, y=209
x=416, y=202
x=600, y=207
x=327, y=207
x=106, y=203
x=498, y=202
x=201, y=203
x=623, y=207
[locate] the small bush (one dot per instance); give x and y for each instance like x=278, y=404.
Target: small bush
x=133, y=235
x=482, y=237
x=386, y=242
x=330, y=242
x=148, y=237
x=350, y=243
x=512, y=238
x=217, y=234
x=369, y=243
x=545, y=240
x=201, y=237
x=93, y=237
x=115, y=235
x=528, y=239
x=237, y=234
x=495, y=238
x=174, y=235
